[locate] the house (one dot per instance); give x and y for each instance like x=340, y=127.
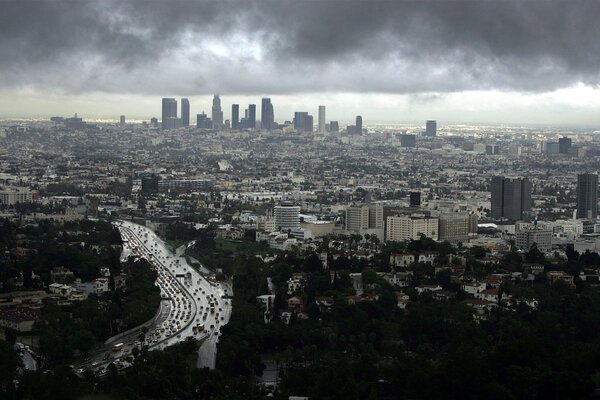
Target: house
x=101, y=285
x=474, y=288
x=491, y=295
x=285, y=317
x=493, y=281
x=77, y=295
x=295, y=303
x=535, y=269
x=354, y=300
x=401, y=260
x=555, y=276
x=513, y=302
x=428, y=288
x=482, y=305
x=443, y=295
x=61, y=275
x=60, y=289
x=427, y=258
x=266, y=300
x=120, y=281
x=402, y=300
x=324, y=302
x=296, y=283
x=400, y=279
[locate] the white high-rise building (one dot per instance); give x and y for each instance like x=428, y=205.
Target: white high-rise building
x=321, y=119
x=287, y=216
x=217, y=113
x=400, y=228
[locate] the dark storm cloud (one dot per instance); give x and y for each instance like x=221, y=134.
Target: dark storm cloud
x=369, y=46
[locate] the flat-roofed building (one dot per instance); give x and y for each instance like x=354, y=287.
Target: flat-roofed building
x=400, y=228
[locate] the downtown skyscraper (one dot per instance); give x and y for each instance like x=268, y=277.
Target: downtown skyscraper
x=185, y=112
x=235, y=116
x=431, y=128
x=169, y=111
x=267, y=118
x=587, y=196
x=217, y=113
x=511, y=197
x=321, y=119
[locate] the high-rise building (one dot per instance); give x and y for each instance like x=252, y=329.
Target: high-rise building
x=154, y=122
x=217, y=113
x=511, y=197
x=173, y=123
x=541, y=237
x=169, y=110
x=564, y=145
x=122, y=120
x=185, y=112
x=415, y=199
x=587, y=196
x=400, y=228
x=251, y=120
x=364, y=216
x=308, y=123
x=431, y=128
x=203, y=122
x=287, y=216
x=150, y=184
x=266, y=115
x=334, y=126
x=235, y=116
x=300, y=119
x=321, y=119
x=408, y=140
x=456, y=227
x=358, y=124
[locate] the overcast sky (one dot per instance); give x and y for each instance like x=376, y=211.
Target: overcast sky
x=454, y=61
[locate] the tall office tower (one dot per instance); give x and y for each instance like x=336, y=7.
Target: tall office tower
x=308, y=123
x=266, y=114
x=154, y=122
x=235, y=116
x=185, y=112
x=287, y=216
x=408, y=141
x=169, y=110
x=334, y=126
x=510, y=197
x=564, y=145
x=587, y=196
x=358, y=124
x=217, y=113
x=252, y=116
x=203, y=122
x=364, y=216
x=415, y=199
x=357, y=218
x=400, y=228
x=321, y=119
x=431, y=128
x=122, y=120
x=299, y=120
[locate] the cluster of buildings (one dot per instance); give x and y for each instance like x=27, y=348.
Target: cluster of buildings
x=302, y=121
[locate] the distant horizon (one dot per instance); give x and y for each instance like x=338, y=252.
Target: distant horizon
x=483, y=62
x=440, y=123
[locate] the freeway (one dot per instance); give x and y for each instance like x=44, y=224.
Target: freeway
x=192, y=305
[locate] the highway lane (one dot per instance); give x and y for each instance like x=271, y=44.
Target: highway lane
x=192, y=305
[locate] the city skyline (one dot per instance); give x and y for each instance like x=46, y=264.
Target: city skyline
x=398, y=62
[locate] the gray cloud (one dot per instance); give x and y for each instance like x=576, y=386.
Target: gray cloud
x=161, y=47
